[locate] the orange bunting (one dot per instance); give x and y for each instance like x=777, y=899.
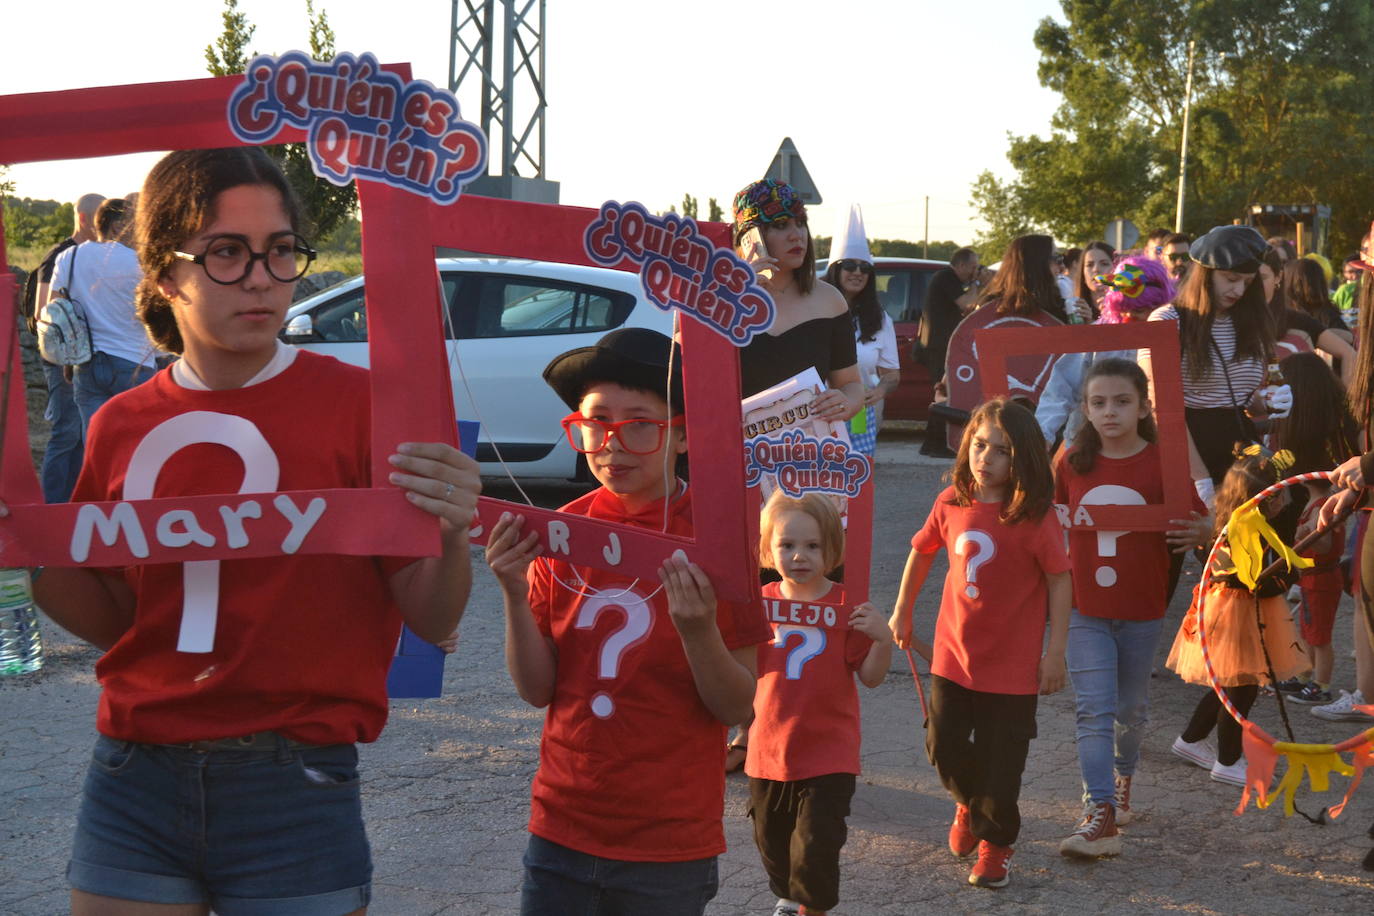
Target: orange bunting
x=1363, y=759
x=1261, y=758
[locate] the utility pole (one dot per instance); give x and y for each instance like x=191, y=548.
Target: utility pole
x=506, y=52
x=1183, y=147
x=925, y=251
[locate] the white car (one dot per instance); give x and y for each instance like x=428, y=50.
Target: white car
x=506, y=319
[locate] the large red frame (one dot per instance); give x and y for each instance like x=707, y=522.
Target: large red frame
x=400, y=231
x=997, y=346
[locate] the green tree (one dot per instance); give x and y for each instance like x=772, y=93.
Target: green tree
x=689, y=206
x=1003, y=208
x=714, y=213
x=1283, y=105
x=36, y=223
x=325, y=206
x=229, y=53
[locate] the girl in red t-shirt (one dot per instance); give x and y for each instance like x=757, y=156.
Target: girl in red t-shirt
x=225, y=776
x=1119, y=595
x=986, y=662
x=804, y=746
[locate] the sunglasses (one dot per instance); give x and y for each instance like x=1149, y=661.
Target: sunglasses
x=1178, y=257
x=852, y=265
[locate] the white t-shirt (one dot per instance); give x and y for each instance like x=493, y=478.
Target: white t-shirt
x=107, y=273
x=878, y=353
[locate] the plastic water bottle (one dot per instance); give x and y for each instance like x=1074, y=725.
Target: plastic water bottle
x=21, y=643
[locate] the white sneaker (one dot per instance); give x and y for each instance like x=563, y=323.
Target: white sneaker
x=1233, y=775
x=786, y=908
x=1202, y=753
x=1343, y=710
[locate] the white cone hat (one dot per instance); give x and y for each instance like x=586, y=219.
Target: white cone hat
x=850, y=241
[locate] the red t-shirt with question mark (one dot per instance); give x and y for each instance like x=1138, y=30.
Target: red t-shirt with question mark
x=298, y=644
x=991, y=627
x=806, y=707
x=1118, y=575
x=631, y=763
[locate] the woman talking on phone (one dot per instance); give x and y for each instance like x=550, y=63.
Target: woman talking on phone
x=812, y=327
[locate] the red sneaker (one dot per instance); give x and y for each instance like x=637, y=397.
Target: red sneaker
x=1095, y=836
x=1123, y=801
x=993, y=868
x=962, y=842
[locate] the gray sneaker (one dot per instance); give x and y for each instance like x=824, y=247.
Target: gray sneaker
x=786, y=908
x=1343, y=710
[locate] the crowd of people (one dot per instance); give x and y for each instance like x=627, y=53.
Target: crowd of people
x=227, y=779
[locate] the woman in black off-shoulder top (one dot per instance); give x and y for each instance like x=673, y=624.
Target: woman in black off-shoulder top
x=812, y=327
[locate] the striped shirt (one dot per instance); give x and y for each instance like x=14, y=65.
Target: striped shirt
x=1246, y=376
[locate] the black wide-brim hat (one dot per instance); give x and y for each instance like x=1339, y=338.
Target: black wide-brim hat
x=632, y=357
x=1238, y=248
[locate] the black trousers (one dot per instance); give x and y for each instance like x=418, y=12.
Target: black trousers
x=799, y=828
x=1209, y=714
x=978, y=744
x=1216, y=430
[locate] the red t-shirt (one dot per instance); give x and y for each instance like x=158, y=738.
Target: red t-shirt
x=991, y=626
x=1325, y=575
x=301, y=643
x=1118, y=575
x=806, y=707
x=631, y=765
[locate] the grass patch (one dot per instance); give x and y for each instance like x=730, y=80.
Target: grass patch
x=25, y=258
x=350, y=264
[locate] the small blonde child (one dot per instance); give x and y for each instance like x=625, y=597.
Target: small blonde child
x=804, y=742
x=1008, y=577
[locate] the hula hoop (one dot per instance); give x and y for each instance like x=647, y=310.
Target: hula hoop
x=1354, y=743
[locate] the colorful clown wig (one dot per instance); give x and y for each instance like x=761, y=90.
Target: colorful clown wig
x=1135, y=287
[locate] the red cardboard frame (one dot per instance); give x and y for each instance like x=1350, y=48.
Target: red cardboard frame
x=399, y=235
x=710, y=376
x=998, y=345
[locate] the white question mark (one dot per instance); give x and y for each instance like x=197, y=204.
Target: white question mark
x=811, y=644
x=1109, y=494
x=639, y=620
x=261, y=471
x=976, y=547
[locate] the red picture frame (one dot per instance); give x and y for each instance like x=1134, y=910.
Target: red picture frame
x=997, y=346
x=400, y=230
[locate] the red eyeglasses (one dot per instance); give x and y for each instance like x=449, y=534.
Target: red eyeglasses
x=638, y=436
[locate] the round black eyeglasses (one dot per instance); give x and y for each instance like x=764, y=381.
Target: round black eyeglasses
x=227, y=259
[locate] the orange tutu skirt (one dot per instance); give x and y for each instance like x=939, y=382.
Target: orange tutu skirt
x=1233, y=640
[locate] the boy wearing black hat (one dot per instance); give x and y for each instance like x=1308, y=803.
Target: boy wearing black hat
x=627, y=802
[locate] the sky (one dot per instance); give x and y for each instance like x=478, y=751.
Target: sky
x=887, y=103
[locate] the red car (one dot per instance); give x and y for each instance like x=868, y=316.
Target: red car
x=902, y=284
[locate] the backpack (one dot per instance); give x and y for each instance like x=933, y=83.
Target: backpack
x=64, y=337
x=39, y=275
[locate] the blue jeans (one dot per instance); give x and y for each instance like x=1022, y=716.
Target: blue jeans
x=1109, y=664
x=102, y=378
x=66, y=445
x=251, y=833
x=564, y=882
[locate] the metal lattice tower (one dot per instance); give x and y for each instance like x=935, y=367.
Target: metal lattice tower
x=507, y=53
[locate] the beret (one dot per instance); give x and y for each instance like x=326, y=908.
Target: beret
x=1237, y=248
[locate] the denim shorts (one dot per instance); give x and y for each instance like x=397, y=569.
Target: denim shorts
x=564, y=882
x=249, y=832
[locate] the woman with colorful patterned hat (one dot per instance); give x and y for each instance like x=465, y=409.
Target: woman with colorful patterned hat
x=812, y=327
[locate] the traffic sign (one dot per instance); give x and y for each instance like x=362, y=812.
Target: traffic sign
x=788, y=167
x=1122, y=233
